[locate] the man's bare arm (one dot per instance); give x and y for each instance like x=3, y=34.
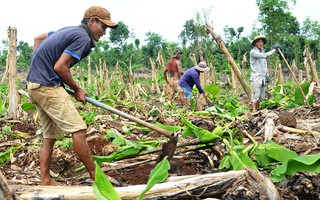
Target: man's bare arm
x=62, y=68
x=179, y=68
x=165, y=75
x=38, y=39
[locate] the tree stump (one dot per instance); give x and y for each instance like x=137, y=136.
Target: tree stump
x=5, y=190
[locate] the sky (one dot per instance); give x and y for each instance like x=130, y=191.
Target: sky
x=165, y=17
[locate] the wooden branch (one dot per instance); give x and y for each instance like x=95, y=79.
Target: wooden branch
x=234, y=66
x=295, y=130
x=193, y=58
x=294, y=77
x=199, y=50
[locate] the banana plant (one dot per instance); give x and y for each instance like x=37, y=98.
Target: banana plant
x=237, y=156
x=104, y=190
x=126, y=149
x=202, y=134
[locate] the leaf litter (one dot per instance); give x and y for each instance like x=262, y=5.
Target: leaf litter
x=190, y=158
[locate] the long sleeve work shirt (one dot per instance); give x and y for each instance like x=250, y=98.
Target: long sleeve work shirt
x=258, y=64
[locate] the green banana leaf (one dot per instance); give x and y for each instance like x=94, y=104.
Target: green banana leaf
x=28, y=106
x=157, y=175
x=236, y=159
x=170, y=128
x=278, y=152
x=5, y=156
x=102, y=188
x=127, y=148
x=307, y=163
x=202, y=134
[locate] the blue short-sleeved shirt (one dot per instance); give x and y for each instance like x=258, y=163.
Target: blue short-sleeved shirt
x=73, y=40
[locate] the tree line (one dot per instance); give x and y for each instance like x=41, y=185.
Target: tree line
x=275, y=21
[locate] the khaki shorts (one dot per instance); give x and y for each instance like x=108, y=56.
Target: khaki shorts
x=175, y=88
x=56, y=110
x=258, y=92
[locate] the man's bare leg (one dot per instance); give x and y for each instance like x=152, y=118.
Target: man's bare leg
x=82, y=150
x=254, y=106
x=45, y=162
x=171, y=94
x=182, y=99
x=187, y=102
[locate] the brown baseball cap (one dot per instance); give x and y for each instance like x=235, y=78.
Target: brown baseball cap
x=102, y=14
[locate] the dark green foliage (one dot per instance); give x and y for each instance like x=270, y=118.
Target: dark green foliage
x=277, y=23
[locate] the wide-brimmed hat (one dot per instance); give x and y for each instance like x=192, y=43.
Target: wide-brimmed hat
x=102, y=14
x=259, y=37
x=202, y=66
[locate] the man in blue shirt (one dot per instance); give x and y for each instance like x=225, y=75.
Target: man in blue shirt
x=191, y=78
x=54, y=54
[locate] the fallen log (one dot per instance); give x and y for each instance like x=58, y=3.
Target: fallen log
x=253, y=186
x=178, y=187
x=188, y=187
x=5, y=190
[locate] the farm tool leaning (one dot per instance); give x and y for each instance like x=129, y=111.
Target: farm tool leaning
x=168, y=148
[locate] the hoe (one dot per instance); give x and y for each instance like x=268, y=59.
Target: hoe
x=168, y=148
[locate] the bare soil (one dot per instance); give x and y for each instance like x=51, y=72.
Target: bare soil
x=188, y=159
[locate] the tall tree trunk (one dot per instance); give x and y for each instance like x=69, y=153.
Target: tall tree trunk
x=234, y=66
x=12, y=73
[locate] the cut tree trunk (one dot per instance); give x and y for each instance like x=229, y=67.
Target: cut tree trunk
x=106, y=80
x=12, y=73
x=307, y=67
x=313, y=66
x=166, y=87
x=5, y=190
x=179, y=187
x=154, y=85
x=234, y=66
